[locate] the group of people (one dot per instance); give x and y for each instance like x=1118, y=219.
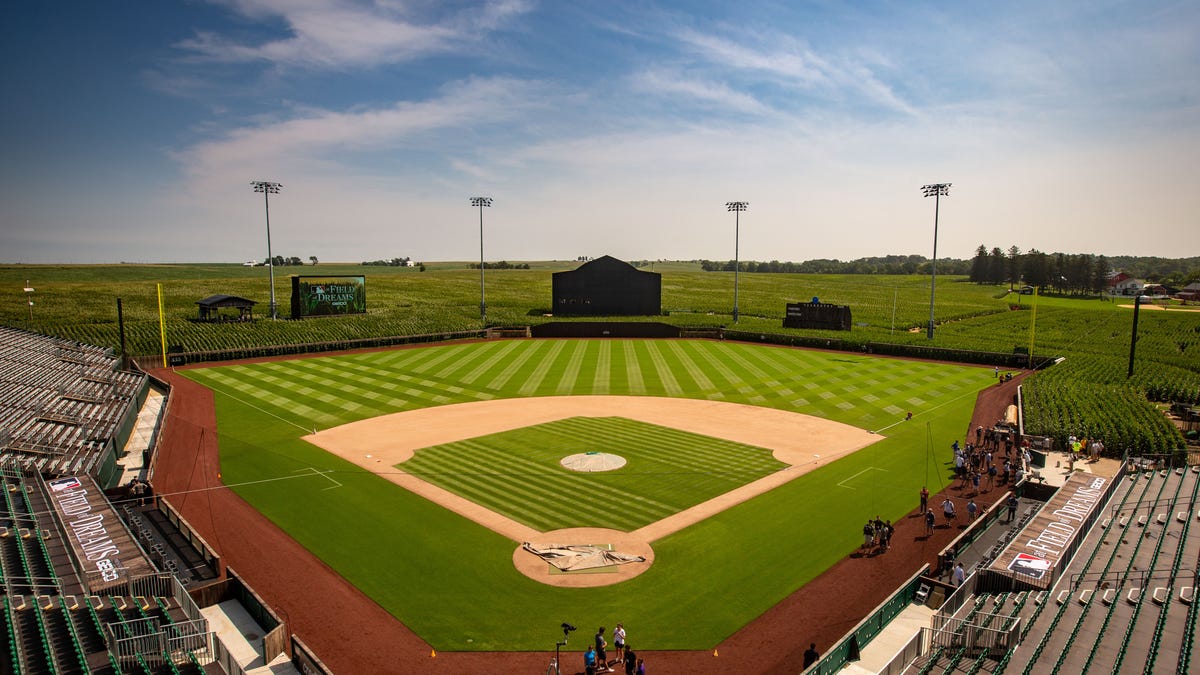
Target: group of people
x=138, y=490
x=976, y=466
x=877, y=535
x=595, y=659
x=1092, y=448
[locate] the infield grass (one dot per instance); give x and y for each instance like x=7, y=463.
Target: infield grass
x=518, y=474
x=453, y=581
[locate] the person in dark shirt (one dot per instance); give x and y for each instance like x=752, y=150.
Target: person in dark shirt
x=811, y=655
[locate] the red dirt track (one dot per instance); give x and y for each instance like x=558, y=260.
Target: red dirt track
x=352, y=634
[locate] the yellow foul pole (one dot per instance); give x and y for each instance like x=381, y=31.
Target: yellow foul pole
x=162, y=326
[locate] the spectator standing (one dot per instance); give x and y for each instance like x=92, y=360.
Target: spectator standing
x=589, y=660
x=972, y=510
x=930, y=520
x=811, y=655
x=619, y=642
x=1012, y=507
x=959, y=576
x=601, y=650
x=630, y=660
x=948, y=511
x=924, y=498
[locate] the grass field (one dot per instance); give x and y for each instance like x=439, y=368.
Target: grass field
x=453, y=581
x=517, y=473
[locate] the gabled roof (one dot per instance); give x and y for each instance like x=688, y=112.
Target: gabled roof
x=606, y=262
x=225, y=301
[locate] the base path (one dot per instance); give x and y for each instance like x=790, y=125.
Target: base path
x=800, y=441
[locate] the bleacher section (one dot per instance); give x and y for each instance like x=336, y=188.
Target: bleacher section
x=146, y=623
x=1122, y=604
x=65, y=407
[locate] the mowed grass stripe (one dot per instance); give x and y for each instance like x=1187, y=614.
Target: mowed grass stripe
x=684, y=353
x=548, y=361
x=726, y=376
x=466, y=361
x=668, y=470
x=568, y=383
x=600, y=378
x=247, y=388
x=542, y=472
x=666, y=376
x=696, y=453
x=737, y=354
x=526, y=485
x=348, y=386
x=633, y=369
x=494, y=361
x=515, y=366
x=423, y=392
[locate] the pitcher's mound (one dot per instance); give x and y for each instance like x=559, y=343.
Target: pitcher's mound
x=590, y=462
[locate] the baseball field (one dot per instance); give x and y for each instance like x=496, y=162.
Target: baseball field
x=738, y=508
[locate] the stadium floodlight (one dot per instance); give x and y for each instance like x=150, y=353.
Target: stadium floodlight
x=1137, y=303
x=268, y=188
x=481, y=202
x=737, y=208
x=29, y=299
x=937, y=191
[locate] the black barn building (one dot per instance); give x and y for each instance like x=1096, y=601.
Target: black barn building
x=607, y=287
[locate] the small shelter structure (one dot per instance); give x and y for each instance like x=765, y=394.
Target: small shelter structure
x=210, y=308
x=607, y=287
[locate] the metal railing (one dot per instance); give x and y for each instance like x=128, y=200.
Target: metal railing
x=847, y=649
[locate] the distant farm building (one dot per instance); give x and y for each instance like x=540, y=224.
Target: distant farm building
x=607, y=287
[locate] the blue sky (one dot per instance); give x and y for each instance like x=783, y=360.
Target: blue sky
x=132, y=130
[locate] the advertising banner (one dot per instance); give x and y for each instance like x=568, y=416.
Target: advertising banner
x=327, y=296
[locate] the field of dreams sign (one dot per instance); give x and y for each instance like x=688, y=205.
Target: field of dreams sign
x=327, y=296
x=1038, y=550
x=99, y=540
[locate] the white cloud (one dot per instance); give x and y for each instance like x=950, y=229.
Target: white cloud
x=659, y=82
x=327, y=34
x=319, y=137
x=792, y=63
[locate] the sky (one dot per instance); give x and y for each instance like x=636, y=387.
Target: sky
x=131, y=131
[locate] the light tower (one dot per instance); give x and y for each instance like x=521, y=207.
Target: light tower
x=481, y=202
x=737, y=208
x=268, y=188
x=937, y=191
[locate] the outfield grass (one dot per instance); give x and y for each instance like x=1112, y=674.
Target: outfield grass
x=518, y=474
x=453, y=582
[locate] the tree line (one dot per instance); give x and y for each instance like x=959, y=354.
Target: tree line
x=890, y=264
x=1063, y=272
x=281, y=261
x=1075, y=273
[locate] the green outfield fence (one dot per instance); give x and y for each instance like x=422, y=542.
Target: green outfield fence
x=1004, y=360
x=849, y=647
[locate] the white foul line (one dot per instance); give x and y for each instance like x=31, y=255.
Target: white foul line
x=316, y=472
x=869, y=468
